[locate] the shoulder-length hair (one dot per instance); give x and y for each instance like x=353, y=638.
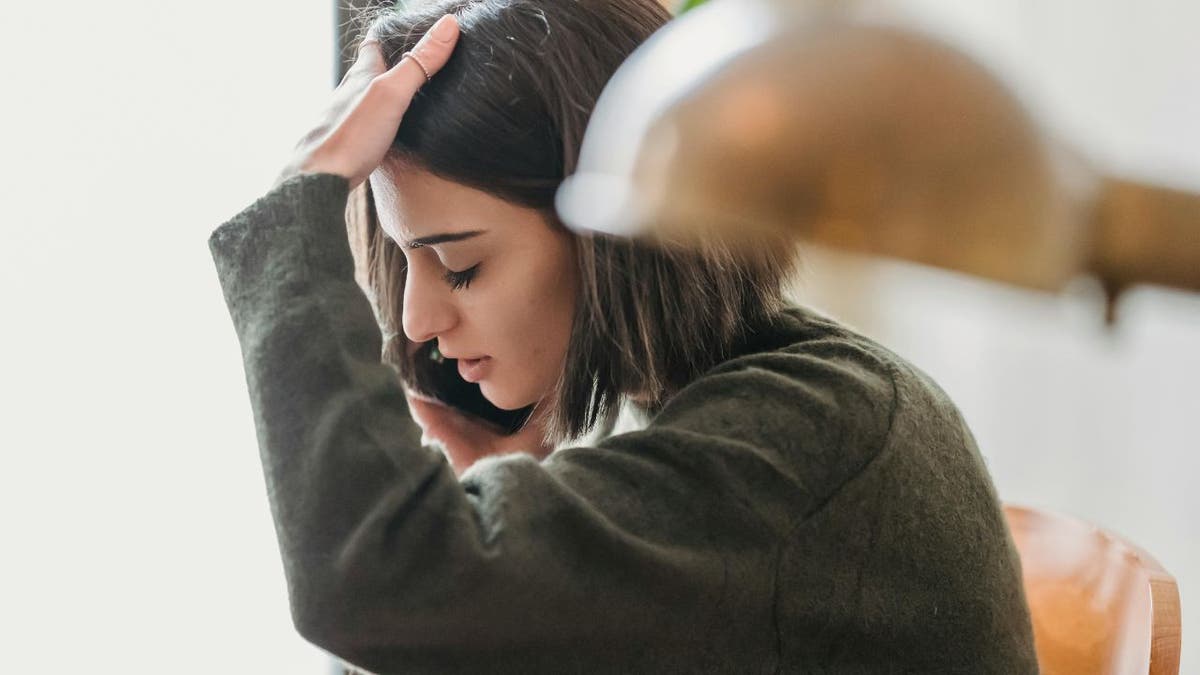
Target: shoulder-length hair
x=506, y=115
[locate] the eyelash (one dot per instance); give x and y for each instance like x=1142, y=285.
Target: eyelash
x=460, y=280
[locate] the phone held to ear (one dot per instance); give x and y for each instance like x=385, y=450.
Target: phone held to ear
x=436, y=377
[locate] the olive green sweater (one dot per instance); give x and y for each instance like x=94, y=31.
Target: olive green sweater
x=814, y=504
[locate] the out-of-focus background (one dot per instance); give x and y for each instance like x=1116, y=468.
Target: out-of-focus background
x=136, y=530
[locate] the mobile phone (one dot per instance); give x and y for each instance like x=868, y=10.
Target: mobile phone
x=437, y=377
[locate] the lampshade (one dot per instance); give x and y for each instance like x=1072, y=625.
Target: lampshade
x=835, y=123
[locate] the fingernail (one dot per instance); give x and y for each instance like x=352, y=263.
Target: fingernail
x=441, y=30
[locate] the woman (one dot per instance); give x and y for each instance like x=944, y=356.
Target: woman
x=799, y=500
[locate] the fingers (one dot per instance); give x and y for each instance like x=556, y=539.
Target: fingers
x=432, y=51
x=368, y=63
x=370, y=54
x=371, y=100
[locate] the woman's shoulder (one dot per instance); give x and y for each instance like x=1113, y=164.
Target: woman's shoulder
x=801, y=362
x=817, y=397
x=823, y=353
x=805, y=396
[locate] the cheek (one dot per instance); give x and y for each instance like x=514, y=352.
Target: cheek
x=539, y=324
x=549, y=306
x=527, y=327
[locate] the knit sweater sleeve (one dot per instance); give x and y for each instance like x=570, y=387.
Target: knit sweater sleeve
x=653, y=551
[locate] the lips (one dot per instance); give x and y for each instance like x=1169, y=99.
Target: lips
x=474, y=370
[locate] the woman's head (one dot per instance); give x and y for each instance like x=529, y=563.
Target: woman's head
x=493, y=282
x=571, y=323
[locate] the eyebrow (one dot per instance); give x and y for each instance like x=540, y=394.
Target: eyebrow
x=441, y=238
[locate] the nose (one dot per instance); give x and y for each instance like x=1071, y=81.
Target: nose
x=428, y=309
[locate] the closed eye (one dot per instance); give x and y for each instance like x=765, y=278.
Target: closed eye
x=459, y=280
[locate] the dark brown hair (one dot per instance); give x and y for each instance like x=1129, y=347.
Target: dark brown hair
x=506, y=115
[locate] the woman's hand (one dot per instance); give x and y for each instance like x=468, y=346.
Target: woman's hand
x=368, y=104
x=465, y=440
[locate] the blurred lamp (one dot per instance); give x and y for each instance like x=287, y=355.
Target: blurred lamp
x=840, y=123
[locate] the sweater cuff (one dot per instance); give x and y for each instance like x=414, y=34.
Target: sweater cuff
x=301, y=219
x=315, y=194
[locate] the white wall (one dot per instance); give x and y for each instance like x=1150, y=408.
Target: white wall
x=136, y=529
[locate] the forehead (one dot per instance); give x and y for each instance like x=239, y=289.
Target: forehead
x=414, y=203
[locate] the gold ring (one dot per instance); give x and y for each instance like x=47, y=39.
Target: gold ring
x=417, y=61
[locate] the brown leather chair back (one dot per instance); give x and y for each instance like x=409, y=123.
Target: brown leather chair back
x=1100, y=605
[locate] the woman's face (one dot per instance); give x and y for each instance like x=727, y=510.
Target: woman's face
x=492, y=282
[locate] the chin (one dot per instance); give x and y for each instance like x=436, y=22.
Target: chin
x=504, y=399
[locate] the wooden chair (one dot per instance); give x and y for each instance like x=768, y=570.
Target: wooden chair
x=1100, y=605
